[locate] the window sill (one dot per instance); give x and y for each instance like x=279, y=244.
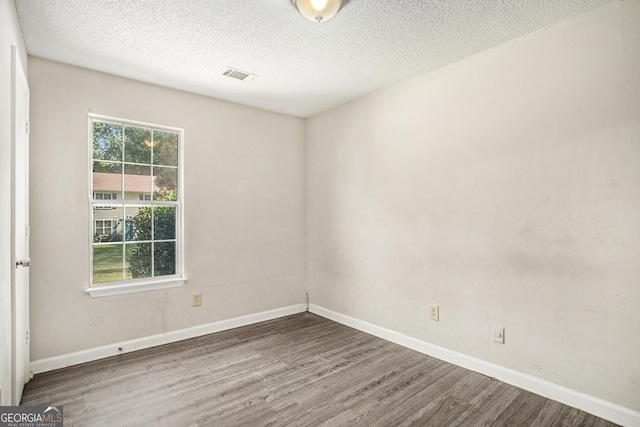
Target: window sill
x=128, y=288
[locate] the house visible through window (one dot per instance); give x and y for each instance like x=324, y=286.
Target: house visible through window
x=136, y=203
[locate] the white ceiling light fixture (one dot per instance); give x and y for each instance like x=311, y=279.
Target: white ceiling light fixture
x=318, y=10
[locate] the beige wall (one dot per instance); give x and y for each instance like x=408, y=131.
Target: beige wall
x=244, y=210
x=503, y=188
x=10, y=34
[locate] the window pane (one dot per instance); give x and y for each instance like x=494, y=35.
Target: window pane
x=165, y=148
x=137, y=223
x=138, y=258
x=106, y=224
x=107, y=263
x=107, y=167
x=164, y=259
x=127, y=257
x=164, y=223
x=165, y=183
x=137, y=180
x=107, y=141
x=137, y=145
x=107, y=179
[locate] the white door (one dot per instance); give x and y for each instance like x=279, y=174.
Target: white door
x=20, y=221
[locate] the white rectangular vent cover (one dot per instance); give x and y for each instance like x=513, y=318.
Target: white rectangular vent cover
x=239, y=75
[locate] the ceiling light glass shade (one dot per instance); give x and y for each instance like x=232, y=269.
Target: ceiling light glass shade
x=318, y=10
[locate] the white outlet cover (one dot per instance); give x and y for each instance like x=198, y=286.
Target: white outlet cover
x=498, y=334
x=197, y=300
x=434, y=312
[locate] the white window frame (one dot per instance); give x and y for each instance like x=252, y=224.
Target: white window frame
x=146, y=284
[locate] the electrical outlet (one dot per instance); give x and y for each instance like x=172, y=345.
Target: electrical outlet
x=197, y=300
x=498, y=334
x=434, y=312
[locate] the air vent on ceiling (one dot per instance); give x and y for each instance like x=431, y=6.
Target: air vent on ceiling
x=238, y=75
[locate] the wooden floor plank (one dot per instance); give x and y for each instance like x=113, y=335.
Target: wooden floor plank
x=300, y=370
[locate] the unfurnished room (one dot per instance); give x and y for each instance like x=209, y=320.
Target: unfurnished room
x=319, y=212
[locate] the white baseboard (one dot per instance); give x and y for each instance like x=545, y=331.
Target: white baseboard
x=83, y=356
x=593, y=405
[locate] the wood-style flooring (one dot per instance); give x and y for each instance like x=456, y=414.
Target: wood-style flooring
x=300, y=370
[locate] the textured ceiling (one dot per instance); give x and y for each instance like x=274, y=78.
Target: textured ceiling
x=304, y=68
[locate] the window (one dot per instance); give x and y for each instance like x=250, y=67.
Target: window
x=105, y=196
x=104, y=227
x=136, y=206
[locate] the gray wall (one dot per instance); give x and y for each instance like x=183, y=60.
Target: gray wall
x=10, y=34
x=244, y=210
x=503, y=188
